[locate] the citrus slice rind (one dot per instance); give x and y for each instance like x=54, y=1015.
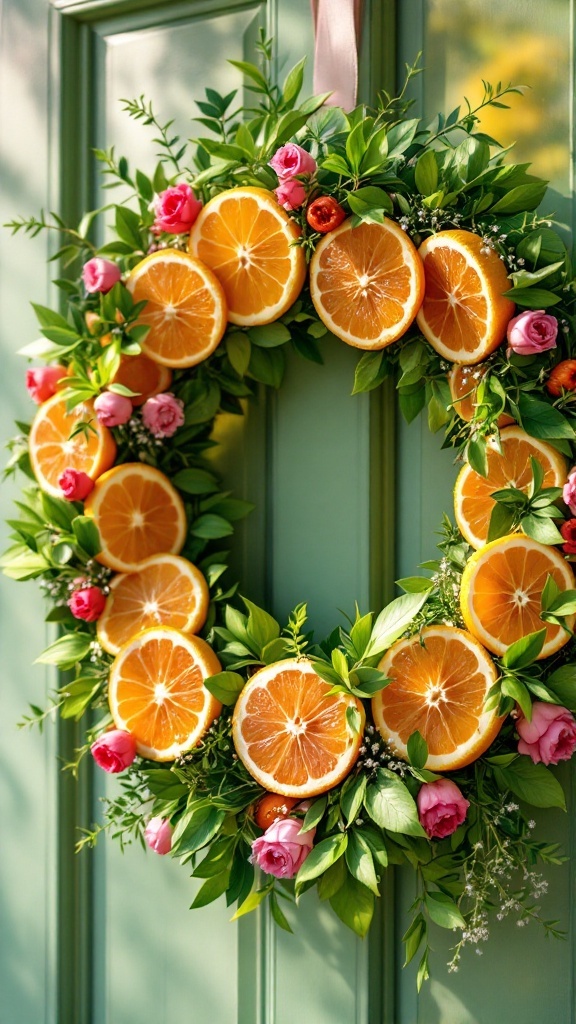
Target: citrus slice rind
x=248, y=241
x=166, y=590
x=464, y=314
x=291, y=736
x=185, y=307
x=156, y=692
x=473, y=503
x=138, y=514
x=367, y=283
x=52, y=450
x=501, y=592
x=441, y=678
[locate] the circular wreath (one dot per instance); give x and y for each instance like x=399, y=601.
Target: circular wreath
x=418, y=735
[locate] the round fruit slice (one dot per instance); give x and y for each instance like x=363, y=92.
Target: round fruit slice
x=52, y=448
x=292, y=736
x=464, y=314
x=185, y=307
x=165, y=591
x=248, y=241
x=440, y=681
x=143, y=376
x=463, y=381
x=472, y=502
x=138, y=514
x=367, y=283
x=156, y=692
x=501, y=592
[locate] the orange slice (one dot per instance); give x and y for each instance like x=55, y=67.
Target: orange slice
x=185, y=307
x=156, y=692
x=52, y=450
x=472, y=502
x=249, y=242
x=441, y=678
x=464, y=314
x=367, y=283
x=165, y=591
x=138, y=514
x=293, y=737
x=501, y=592
x=463, y=381
x=143, y=376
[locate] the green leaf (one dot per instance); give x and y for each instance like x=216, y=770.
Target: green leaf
x=293, y=82
x=211, y=890
x=539, y=419
x=354, y=905
x=261, y=627
x=533, y=298
x=57, y=511
x=533, y=783
x=524, y=651
x=195, y=481
x=353, y=719
x=276, y=650
x=48, y=318
x=391, y=806
x=270, y=335
x=267, y=366
x=477, y=457
x=250, y=903
x=314, y=814
x=412, y=938
x=67, y=651
x=78, y=696
x=360, y=633
x=562, y=682
x=443, y=911
x=517, y=691
x=352, y=798
x=128, y=227
x=165, y=784
x=356, y=146
x=218, y=859
x=210, y=527
x=321, y=857
x=423, y=972
x=87, y=535
x=332, y=880
x=278, y=914
x=225, y=686
x=542, y=530
x=368, y=373
x=360, y=862
x=196, y=828
x=238, y=349
x=426, y=173
x=501, y=521
x=417, y=750
x=521, y=198
x=415, y=584
x=393, y=621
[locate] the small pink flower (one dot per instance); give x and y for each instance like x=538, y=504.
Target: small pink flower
x=551, y=735
x=163, y=414
x=176, y=209
x=114, y=751
x=100, y=275
x=158, y=835
x=112, y=410
x=87, y=602
x=290, y=194
x=532, y=332
x=75, y=485
x=441, y=808
x=292, y=159
x=569, y=491
x=281, y=851
x=41, y=381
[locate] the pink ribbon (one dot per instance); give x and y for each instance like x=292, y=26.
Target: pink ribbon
x=337, y=37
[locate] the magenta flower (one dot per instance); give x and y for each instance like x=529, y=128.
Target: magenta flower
x=100, y=275
x=87, y=602
x=281, y=851
x=163, y=414
x=75, y=484
x=441, y=808
x=176, y=209
x=532, y=332
x=41, y=381
x=114, y=751
x=112, y=410
x=551, y=735
x=290, y=160
x=158, y=835
x=290, y=194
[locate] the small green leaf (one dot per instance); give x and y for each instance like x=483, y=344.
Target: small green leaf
x=391, y=806
x=516, y=690
x=67, y=651
x=195, y=481
x=360, y=863
x=533, y=783
x=354, y=905
x=353, y=719
x=393, y=621
x=261, y=627
x=417, y=750
x=352, y=798
x=415, y=584
x=443, y=911
x=87, y=535
x=562, y=682
x=426, y=173
x=524, y=651
x=314, y=814
x=250, y=903
x=541, y=420
x=321, y=857
x=368, y=373
x=501, y=521
x=269, y=336
x=210, y=527
x=225, y=686
x=211, y=890
x=541, y=530
x=238, y=349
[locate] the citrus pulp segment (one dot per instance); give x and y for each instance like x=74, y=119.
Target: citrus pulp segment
x=138, y=514
x=292, y=736
x=166, y=590
x=143, y=376
x=440, y=680
x=185, y=307
x=472, y=502
x=501, y=592
x=464, y=313
x=367, y=283
x=249, y=242
x=52, y=449
x=157, y=694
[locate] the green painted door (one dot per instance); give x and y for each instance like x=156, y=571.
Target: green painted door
x=346, y=502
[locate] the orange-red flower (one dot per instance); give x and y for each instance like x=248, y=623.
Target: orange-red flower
x=325, y=214
x=563, y=377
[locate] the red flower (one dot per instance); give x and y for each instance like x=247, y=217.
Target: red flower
x=325, y=214
x=87, y=602
x=568, y=531
x=562, y=378
x=75, y=485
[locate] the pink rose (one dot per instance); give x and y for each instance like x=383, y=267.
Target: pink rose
x=158, y=835
x=441, y=808
x=176, y=209
x=41, y=381
x=75, y=485
x=100, y=275
x=568, y=531
x=290, y=194
x=112, y=410
x=114, y=751
x=163, y=414
x=531, y=332
x=292, y=159
x=87, y=602
x=550, y=736
x=281, y=851
x=569, y=491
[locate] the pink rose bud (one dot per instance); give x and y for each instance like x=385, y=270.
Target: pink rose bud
x=292, y=159
x=441, y=808
x=568, y=531
x=41, y=381
x=163, y=414
x=114, y=751
x=569, y=491
x=112, y=410
x=100, y=275
x=281, y=851
x=87, y=603
x=158, y=835
x=532, y=332
x=75, y=485
x=551, y=735
x=176, y=209
x=290, y=194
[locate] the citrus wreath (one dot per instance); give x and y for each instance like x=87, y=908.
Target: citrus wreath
x=404, y=737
